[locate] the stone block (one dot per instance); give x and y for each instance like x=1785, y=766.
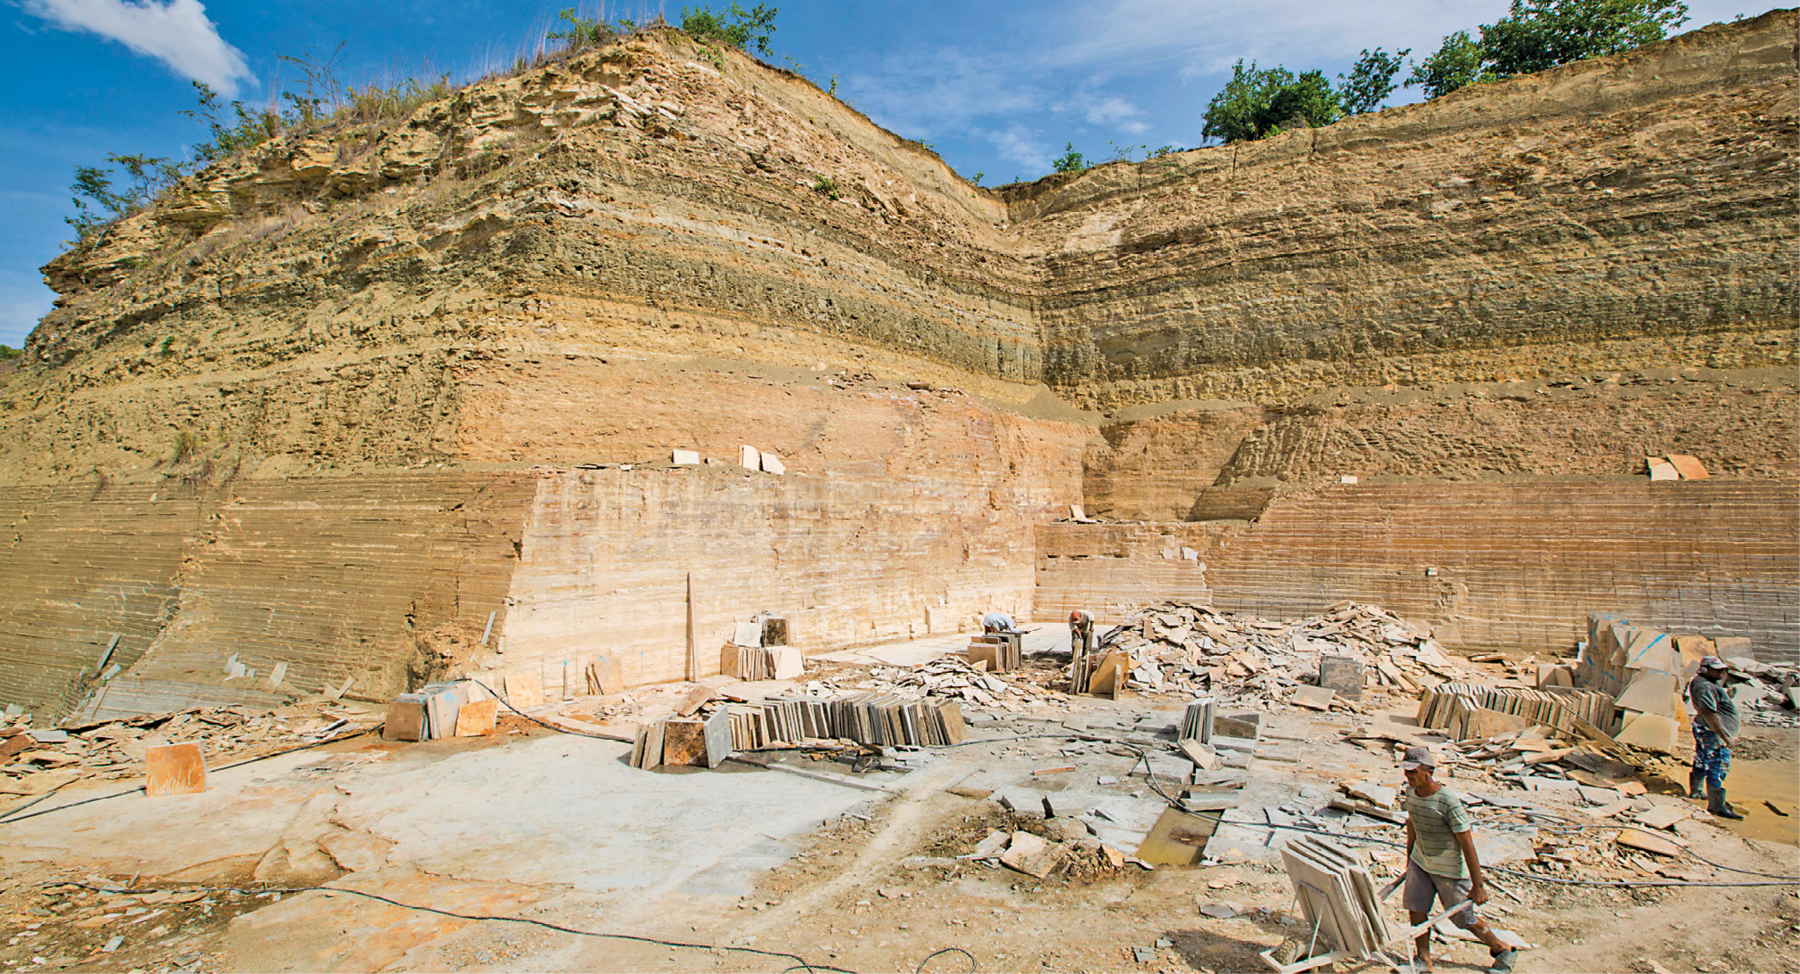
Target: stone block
x=1492, y=723
x=1726, y=647
x=605, y=677
x=1201, y=754
x=1652, y=732
x=789, y=664
x=771, y=464
x=525, y=689
x=1030, y=855
x=684, y=458
x=1650, y=692
x=1343, y=674
x=1690, y=468
x=1178, y=838
x=1316, y=698
x=174, y=769
x=749, y=457
x=1246, y=726
x=477, y=719
x=405, y=719
x=684, y=741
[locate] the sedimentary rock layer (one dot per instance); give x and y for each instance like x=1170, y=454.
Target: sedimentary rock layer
x=294, y=411
x=1513, y=566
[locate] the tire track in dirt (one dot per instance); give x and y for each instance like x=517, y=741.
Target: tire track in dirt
x=904, y=818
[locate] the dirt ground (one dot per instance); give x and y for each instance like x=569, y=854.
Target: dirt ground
x=880, y=887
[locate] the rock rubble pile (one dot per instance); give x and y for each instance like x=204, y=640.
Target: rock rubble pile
x=1176, y=646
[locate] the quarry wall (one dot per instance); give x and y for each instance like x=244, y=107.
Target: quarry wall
x=1490, y=566
x=81, y=564
x=352, y=392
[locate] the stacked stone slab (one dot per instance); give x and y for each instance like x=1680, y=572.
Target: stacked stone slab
x=1646, y=671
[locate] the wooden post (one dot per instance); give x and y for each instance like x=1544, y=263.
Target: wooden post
x=693, y=652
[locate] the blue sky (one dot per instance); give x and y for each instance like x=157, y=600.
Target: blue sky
x=997, y=87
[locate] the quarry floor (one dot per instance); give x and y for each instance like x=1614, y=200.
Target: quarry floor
x=828, y=869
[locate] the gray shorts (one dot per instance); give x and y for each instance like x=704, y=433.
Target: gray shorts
x=1422, y=887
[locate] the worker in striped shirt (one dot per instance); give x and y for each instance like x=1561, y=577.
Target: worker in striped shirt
x=1441, y=862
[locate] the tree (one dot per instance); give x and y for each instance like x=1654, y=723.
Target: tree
x=736, y=26
x=1540, y=34
x=1259, y=101
x=1370, y=81
x=98, y=204
x=1069, y=161
x=1456, y=64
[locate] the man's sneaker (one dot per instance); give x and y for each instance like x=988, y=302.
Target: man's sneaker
x=1503, y=962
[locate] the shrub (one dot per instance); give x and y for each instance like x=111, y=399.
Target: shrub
x=1069, y=161
x=737, y=27
x=827, y=186
x=98, y=205
x=184, y=444
x=582, y=32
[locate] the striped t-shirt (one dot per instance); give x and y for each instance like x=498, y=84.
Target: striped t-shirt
x=1435, y=822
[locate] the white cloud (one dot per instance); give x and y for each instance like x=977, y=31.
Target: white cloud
x=1109, y=110
x=1019, y=144
x=1205, y=38
x=176, y=33
x=945, y=90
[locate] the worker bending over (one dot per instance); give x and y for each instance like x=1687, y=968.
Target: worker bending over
x=997, y=621
x=1081, y=632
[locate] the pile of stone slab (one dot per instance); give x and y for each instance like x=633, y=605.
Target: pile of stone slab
x=999, y=652
x=692, y=741
x=1175, y=646
x=1465, y=710
x=760, y=662
x=795, y=719
x=456, y=708
x=1647, y=672
x=1337, y=896
x=1766, y=693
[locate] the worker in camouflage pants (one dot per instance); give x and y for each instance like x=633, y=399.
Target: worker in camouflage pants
x=1715, y=727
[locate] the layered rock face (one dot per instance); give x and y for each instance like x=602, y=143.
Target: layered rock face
x=478, y=332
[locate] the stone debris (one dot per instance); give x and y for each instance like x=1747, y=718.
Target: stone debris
x=1178, y=647
x=35, y=761
x=943, y=677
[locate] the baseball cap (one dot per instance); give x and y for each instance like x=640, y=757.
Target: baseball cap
x=1417, y=757
x=1714, y=663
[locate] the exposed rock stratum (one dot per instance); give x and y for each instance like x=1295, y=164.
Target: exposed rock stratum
x=356, y=400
